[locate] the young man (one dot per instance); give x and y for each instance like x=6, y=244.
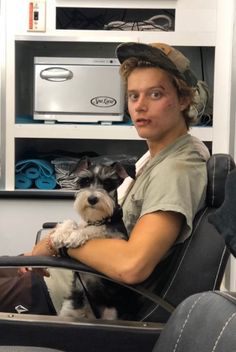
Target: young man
x=159, y=206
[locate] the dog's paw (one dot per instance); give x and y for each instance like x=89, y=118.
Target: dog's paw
x=67, y=225
x=62, y=232
x=68, y=310
x=76, y=238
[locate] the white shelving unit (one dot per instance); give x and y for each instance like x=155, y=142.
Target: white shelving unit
x=195, y=25
x=181, y=39
x=92, y=132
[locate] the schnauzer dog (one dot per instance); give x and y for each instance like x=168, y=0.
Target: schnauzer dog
x=100, y=217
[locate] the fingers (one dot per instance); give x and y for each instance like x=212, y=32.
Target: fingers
x=44, y=247
x=40, y=271
x=22, y=271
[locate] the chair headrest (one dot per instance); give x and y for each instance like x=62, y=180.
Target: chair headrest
x=218, y=168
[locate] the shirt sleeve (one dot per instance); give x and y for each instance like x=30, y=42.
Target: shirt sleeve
x=177, y=186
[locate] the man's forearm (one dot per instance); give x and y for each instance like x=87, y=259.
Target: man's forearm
x=105, y=255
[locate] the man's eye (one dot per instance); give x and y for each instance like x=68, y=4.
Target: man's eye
x=132, y=96
x=84, y=182
x=156, y=95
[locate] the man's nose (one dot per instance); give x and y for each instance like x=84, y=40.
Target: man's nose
x=141, y=104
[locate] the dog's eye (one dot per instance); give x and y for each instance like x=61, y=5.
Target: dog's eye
x=84, y=182
x=109, y=185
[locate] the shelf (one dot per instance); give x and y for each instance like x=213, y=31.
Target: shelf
x=74, y=131
x=172, y=38
x=37, y=194
x=116, y=3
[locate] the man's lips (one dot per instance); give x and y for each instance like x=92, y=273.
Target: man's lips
x=142, y=122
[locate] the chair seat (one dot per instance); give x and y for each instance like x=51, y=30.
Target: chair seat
x=204, y=322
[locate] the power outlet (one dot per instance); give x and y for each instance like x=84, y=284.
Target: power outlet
x=37, y=16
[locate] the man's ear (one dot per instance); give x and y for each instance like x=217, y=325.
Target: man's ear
x=124, y=170
x=184, y=103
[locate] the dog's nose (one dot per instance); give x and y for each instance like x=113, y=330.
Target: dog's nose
x=92, y=200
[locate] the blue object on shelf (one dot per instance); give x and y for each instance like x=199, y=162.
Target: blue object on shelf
x=45, y=167
x=35, y=173
x=22, y=182
x=26, y=119
x=44, y=182
x=32, y=172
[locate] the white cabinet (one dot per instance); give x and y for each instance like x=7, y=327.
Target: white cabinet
x=195, y=26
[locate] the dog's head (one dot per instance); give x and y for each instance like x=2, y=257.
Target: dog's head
x=96, y=196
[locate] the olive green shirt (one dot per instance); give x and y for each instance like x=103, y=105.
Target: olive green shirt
x=174, y=180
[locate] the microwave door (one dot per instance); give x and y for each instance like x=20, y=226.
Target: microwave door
x=78, y=89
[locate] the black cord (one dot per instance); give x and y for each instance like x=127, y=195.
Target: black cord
x=202, y=64
x=124, y=15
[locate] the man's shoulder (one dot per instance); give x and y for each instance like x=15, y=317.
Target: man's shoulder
x=200, y=147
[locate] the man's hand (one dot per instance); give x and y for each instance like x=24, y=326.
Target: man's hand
x=44, y=247
x=41, y=271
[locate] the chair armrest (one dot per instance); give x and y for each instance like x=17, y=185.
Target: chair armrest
x=45, y=226
x=72, y=264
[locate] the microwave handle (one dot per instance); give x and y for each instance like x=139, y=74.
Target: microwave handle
x=56, y=74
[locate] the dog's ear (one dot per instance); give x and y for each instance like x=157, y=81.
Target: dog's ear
x=83, y=164
x=124, y=170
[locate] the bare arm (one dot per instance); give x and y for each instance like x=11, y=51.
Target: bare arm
x=133, y=261
x=129, y=261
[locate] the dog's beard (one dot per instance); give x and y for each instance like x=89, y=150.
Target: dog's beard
x=101, y=210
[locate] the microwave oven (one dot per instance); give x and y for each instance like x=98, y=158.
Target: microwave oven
x=84, y=90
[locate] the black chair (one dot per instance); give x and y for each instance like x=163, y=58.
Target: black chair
x=196, y=266
x=201, y=261
x=203, y=322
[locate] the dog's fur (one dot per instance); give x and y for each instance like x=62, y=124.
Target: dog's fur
x=101, y=216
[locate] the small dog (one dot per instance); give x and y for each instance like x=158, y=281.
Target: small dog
x=101, y=216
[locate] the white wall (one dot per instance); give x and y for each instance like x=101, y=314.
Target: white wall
x=20, y=219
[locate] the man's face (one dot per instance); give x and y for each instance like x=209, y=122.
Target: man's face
x=154, y=106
